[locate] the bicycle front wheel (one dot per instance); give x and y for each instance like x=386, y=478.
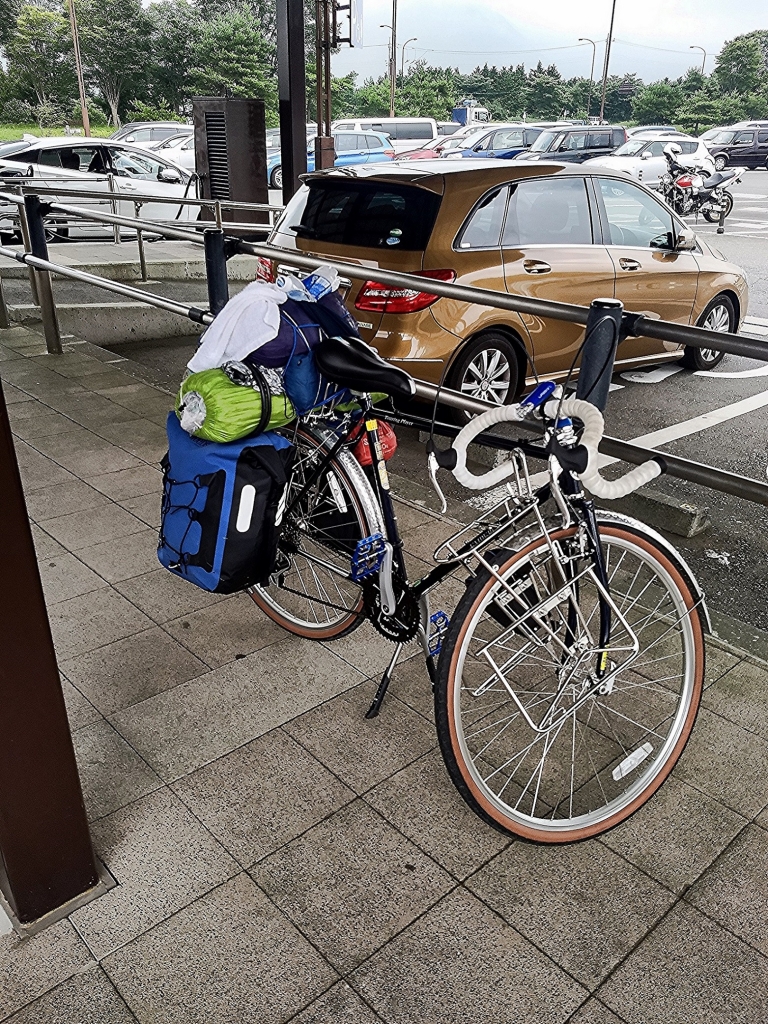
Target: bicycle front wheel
x=535, y=739
x=311, y=593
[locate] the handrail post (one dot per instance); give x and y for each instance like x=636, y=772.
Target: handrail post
x=39, y=248
x=113, y=204
x=140, y=239
x=27, y=242
x=5, y=320
x=216, y=270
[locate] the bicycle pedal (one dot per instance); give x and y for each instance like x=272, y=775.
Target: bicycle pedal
x=438, y=624
x=368, y=556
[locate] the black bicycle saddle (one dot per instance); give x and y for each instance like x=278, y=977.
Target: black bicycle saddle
x=353, y=364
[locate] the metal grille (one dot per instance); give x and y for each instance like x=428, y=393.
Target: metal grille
x=218, y=153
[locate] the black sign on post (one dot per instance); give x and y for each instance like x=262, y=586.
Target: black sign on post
x=45, y=849
x=292, y=93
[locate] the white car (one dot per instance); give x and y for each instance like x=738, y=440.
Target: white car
x=642, y=157
x=180, y=150
x=84, y=164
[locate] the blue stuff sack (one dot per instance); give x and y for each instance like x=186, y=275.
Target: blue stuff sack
x=222, y=508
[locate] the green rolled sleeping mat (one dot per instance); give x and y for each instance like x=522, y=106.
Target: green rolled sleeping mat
x=210, y=405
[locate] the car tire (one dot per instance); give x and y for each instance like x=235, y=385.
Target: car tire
x=55, y=231
x=276, y=177
x=9, y=237
x=719, y=315
x=721, y=162
x=486, y=368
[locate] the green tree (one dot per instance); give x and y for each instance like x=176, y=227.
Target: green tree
x=372, y=98
x=656, y=104
x=231, y=54
x=425, y=92
x=40, y=55
x=741, y=64
x=9, y=12
x=174, y=25
x=545, y=93
x=115, y=42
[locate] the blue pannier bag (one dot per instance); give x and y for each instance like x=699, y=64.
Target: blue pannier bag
x=222, y=508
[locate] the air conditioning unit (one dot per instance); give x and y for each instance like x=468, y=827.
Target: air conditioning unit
x=231, y=157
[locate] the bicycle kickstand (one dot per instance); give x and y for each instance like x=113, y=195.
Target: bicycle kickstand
x=383, y=686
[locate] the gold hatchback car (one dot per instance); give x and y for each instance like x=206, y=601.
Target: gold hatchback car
x=548, y=231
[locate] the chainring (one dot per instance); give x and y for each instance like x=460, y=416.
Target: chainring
x=404, y=624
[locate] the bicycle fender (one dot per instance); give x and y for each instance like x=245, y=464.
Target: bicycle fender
x=609, y=517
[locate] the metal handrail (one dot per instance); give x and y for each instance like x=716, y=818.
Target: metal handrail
x=639, y=325
x=36, y=186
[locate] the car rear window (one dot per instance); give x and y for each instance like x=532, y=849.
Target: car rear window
x=373, y=215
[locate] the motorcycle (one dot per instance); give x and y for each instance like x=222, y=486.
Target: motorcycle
x=695, y=190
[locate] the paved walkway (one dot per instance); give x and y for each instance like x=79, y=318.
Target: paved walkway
x=277, y=857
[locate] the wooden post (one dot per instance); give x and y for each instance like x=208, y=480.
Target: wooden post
x=46, y=858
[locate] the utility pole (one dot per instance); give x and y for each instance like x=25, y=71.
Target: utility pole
x=607, y=61
x=584, y=39
x=79, y=68
x=393, y=61
x=402, y=59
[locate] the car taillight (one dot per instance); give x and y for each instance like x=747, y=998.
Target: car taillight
x=265, y=269
x=389, y=154
x=382, y=298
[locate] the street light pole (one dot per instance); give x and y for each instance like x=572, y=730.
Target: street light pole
x=584, y=39
x=607, y=62
x=402, y=59
x=704, y=59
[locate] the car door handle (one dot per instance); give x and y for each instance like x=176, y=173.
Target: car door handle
x=536, y=267
x=627, y=264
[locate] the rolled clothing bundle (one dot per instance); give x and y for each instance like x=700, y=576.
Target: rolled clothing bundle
x=211, y=406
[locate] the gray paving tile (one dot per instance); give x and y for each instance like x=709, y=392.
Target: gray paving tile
x=91, y=410
x=198, y=721
x=63, y=499
x=351, y=883
x=718, y=662
x=163, y=596
x=91, y=464
x=424, y=540
x=81, y=530
x=162, y=859
x=602, y=906
x=676, y=835
x=14, y=396
x=70, y=364
x=132, y=556
x=145, y=507
x=37, y=470
x=84, y=623
x=44, y=542
x=262, y=795
x=80, y=711
x=741, y=696
x=31, y=419
x=64, y=576
x=368, y=650
x=362, y=751
x=89, y=998
x=424, y=805
x=111, y=773
x=74, y=439
x=460, y=964
x=411, y=684
x=727, y=763
x=29, y=967
x=690, y=970
x=339, y=1005
x=735, y=889
x=594, y=1012
x=128, y=671
x=229, y=958
x=128, y=483
x=221, y=632
x=141, y=438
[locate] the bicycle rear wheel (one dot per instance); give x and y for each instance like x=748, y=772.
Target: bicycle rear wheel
x=311, y=593
x=533, y=740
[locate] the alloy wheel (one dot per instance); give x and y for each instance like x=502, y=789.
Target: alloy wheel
x=488, y=376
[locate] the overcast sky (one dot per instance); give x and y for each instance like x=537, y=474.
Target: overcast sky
x=651, y=37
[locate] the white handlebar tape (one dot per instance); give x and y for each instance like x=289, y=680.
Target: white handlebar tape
x=608, y=490
x=504, y=413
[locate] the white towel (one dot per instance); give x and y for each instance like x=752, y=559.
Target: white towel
x=248, y=321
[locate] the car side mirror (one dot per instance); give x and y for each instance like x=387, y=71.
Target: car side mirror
x=169, y=176
x=130, y=138
x=685, y=241
x=646, y=155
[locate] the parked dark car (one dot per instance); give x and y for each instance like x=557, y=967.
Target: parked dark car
x=740, y=147
x=500, y=143
x=575, y=145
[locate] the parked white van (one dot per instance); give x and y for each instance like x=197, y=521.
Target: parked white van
x=406, y=132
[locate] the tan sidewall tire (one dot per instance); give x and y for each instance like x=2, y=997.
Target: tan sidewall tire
x=488, y=810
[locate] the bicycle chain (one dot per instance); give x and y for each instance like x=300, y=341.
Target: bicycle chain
x=401, y=627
